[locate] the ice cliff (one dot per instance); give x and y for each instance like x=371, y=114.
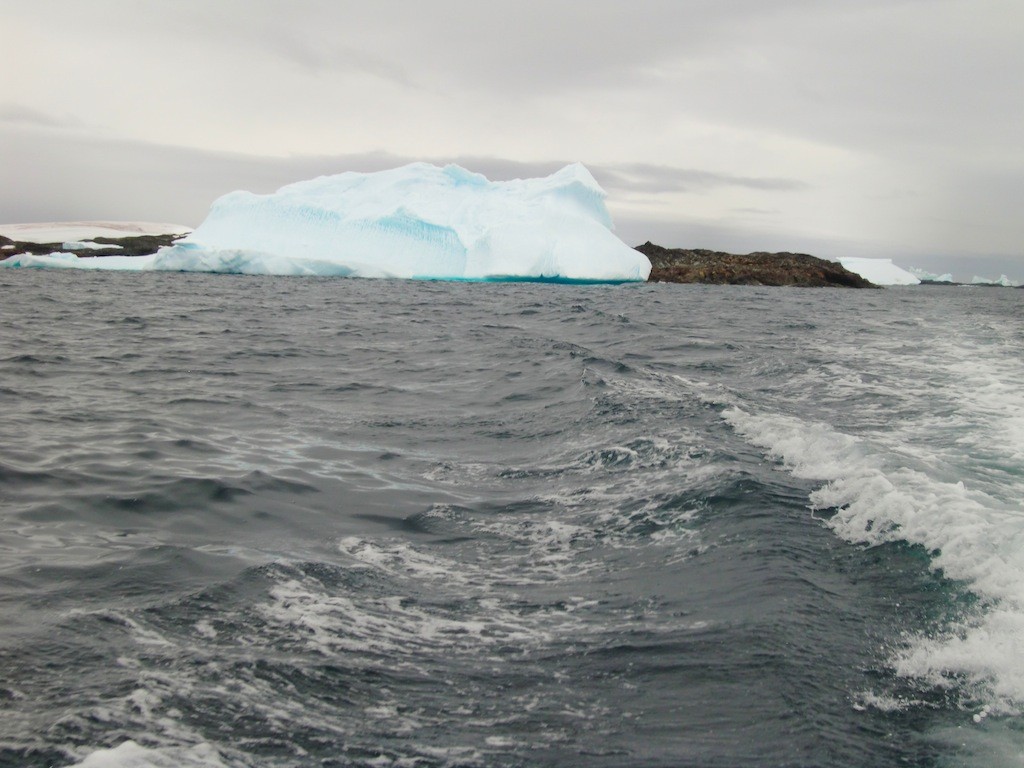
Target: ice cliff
x=879, y=271
x=418, y=221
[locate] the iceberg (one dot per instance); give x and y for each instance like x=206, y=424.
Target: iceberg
x=879, y=271
x=417, y=221
x=930, y=277
x=1003, y=281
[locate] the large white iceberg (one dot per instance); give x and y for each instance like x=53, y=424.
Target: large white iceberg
x=879, y=271
x=418, y=221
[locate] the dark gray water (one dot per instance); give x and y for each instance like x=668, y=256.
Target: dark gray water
x=274, y=521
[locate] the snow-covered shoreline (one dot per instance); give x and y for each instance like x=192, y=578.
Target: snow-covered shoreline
x=77, y=231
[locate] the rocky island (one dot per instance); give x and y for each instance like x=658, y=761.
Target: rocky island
x=681, y=265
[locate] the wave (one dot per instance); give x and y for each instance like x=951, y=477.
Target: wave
x=874, y=495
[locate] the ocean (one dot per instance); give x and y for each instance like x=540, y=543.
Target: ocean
x=266, y=521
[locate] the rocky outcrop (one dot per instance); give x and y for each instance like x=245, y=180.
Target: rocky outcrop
x=680, y=265
x=133, y=245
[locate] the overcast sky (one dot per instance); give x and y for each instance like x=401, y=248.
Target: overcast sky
x=835, y=127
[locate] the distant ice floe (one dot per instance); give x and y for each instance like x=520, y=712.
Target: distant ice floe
x=879, y=271
x=67, y=260
x=417, y=221
x=1003, y=281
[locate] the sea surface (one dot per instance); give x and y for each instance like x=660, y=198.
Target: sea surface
x=264, y=521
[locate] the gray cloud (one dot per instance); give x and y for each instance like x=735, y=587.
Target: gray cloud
x=756, y=211
x=326, y=57
x=110, y=178
x=646, y=177
x=17, y=114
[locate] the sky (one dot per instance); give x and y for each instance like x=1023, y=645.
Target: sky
x=833, y=127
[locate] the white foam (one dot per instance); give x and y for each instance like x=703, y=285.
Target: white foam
x=130, y=754
x=400, y=558
x=475, y=613
x=586, y=492
x=972, y=537
x=602, y=493
x=883, y=702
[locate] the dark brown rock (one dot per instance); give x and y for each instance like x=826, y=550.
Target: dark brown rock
x=133, y=245
x=137, y=245
x=680, y=265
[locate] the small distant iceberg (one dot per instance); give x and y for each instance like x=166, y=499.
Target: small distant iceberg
x=930, y=277
x=879, y=271
x=418, y=221
x=1003, y=281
